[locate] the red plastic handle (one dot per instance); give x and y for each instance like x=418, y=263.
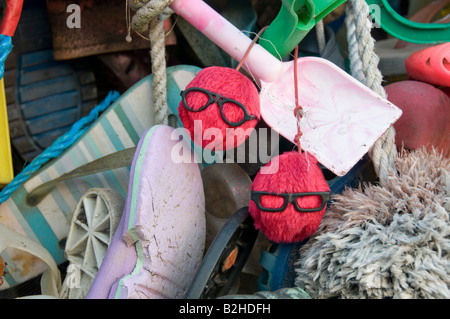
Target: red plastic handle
x=11, y=17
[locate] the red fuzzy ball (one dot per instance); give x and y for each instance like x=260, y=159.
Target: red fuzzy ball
x=216, y=134
x=290, y=172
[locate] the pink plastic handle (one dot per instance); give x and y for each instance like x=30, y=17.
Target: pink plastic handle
x=259, y=62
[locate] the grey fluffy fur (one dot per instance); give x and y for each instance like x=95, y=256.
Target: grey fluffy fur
x=389, y=241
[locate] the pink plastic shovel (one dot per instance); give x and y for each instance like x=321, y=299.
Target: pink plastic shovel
x=343, y=118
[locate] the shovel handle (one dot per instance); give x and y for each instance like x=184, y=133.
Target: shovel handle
x=259, y=62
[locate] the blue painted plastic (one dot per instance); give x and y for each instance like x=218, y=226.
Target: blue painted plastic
x=50, y=96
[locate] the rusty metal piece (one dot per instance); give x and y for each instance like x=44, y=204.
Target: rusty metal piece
x=103, y=29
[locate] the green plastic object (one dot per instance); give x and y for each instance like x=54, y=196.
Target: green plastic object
x=295, y=19
x=404, y=29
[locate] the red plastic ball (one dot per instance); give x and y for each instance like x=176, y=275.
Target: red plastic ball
x=215, y=133
x=290, y=172
x=425, y=121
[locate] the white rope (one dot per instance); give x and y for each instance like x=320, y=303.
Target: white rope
x=364, y=67
x=320, y=33
x=150, y=15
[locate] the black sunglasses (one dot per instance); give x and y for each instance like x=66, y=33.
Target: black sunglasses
x=290, y=198
x=220, y=100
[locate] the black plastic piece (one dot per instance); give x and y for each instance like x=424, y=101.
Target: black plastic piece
x=212, y=279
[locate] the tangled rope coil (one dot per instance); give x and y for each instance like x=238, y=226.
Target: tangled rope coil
x=149, y=16
x=364, y=67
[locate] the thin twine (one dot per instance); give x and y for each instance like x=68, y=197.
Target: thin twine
x=128, y=21
x=298, y=111
x=264, y=39
x=250, y=47
x=275, y=49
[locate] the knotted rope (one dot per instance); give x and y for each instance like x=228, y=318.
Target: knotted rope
x=364, y=67
x=150, y=15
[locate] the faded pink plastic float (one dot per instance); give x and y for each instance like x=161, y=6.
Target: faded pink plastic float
x=343, y=118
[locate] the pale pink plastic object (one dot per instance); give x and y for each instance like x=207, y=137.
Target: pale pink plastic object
x=159, y=243
x=343, y=118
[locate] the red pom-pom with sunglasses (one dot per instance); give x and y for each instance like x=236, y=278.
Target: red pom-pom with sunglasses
x=289, y=197
x=222, y=105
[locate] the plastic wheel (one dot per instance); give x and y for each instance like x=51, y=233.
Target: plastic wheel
x=94, y=222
